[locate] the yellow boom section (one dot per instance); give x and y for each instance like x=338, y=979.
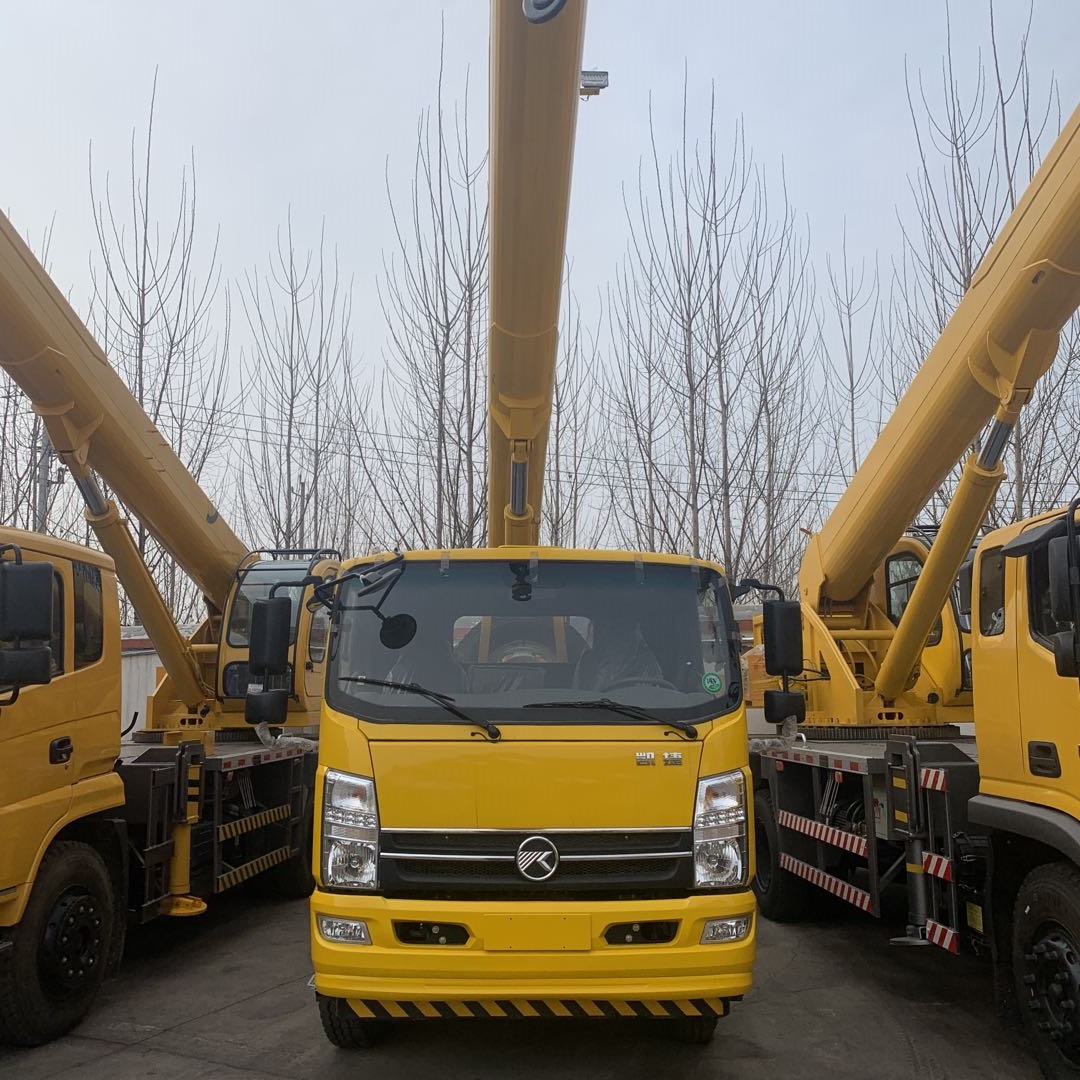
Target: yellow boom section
x=95, y=423
x=535, y=80
x=1001, y=339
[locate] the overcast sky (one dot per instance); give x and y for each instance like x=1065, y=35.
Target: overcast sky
x=302, y=105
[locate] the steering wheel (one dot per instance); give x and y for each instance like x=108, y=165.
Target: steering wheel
x=640, y=680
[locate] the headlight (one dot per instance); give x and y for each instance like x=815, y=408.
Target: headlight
x=350, y=832
x=720, y=843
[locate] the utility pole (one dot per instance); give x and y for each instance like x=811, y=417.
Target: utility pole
x=41, y=502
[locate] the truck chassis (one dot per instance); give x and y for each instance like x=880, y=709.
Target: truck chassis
x=854, y=817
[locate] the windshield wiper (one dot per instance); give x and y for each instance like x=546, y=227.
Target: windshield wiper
x=445, y=700
x=631, y=711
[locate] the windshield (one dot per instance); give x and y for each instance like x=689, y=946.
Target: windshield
x=498, y=636
x=256, y=585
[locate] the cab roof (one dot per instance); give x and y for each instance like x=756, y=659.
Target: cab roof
x=550, y=554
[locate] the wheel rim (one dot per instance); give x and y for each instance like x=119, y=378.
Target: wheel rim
x=1052, y=975
x=73, y=943
x=763, y=854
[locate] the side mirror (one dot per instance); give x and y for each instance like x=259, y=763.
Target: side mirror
x=28, y=665
x=780, y=704
x=396, y=631
x=268, y=655
x=1061, y=584
x=781, y=634
x=782, y=637
x=26, y=601
x=268, y=652
x=269, y=707
x=963, y=587
x=1065, y=654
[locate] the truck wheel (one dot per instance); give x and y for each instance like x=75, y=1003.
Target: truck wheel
x=49, y=977
x=695, y=1030
x=290, y=880
x=781, y=896
x=1046, y=963
x=344, y=1028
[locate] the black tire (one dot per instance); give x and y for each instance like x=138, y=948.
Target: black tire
x=344, y=1028
x=1046, y=966
x=48, y=982
x=695, y=1030
x=781, y=896
x=290, y=880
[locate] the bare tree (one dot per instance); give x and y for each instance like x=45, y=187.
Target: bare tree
x=574, y=513
x=854, y=304
x=977, y=150
x=157, y=317
x=428, y=473
x=712, y=341
x=299, y=382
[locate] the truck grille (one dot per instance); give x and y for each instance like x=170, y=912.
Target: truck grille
x=468, y=863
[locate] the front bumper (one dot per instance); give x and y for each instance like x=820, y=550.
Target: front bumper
x=554, y=960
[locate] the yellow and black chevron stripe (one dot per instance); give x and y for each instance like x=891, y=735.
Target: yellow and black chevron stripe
x=242, y=825
x=194, y=788
x=250, y=869
x=540, y=1008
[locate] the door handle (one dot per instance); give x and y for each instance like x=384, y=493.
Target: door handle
x=1043, y=759
x=60, y=750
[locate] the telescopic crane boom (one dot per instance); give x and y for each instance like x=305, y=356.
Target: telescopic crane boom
x=97, y=426
x=535, y=82
x=95, y=422
x=1001, y=339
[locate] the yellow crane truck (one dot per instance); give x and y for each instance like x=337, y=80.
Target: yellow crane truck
x=93, y=828
x=533, y=781
x=900, y=636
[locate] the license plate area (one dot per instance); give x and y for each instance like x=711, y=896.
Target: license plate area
x=537, y=933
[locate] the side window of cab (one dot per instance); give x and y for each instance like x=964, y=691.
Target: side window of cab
x=901, y=574
x=1043, y=624
x=992, y=593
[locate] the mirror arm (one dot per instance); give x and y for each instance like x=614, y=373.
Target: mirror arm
x=752, y=584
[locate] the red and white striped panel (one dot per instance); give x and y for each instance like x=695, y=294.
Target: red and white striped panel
x=257, y=757
x=938, y=865
x=830, y=884
x=821, y=761
x=942, y=935
x=840, y=838
x=933, y=780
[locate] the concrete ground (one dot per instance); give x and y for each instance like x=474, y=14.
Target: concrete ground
x=225, y=996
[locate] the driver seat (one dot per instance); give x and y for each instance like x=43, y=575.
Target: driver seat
x=621, y=655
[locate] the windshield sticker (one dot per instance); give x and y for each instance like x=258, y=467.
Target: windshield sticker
x=713, y=682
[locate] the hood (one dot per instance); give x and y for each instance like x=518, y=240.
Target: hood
x=541, y=785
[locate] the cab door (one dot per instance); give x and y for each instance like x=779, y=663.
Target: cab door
x=36, y=787
x=1049, y=703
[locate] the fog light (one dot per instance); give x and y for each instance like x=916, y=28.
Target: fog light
x=722, y=931
x=347, y=931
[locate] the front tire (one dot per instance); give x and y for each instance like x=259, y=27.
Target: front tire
x=781, y=896
x=344, y=1028
x=60, y=950
x=695, y=1030
x=1046, y=966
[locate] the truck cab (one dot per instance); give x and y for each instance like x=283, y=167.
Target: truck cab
x=1016, y=676
x=62, y=859
x=532, y=792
